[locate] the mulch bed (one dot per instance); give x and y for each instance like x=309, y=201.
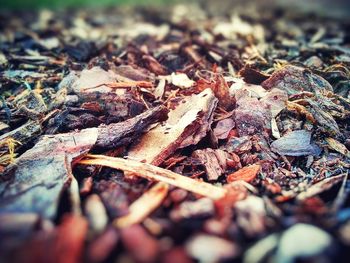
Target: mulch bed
x=177, y=134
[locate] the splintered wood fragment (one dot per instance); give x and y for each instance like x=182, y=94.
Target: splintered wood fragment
x=214, y=161
x=338, y=146
x=300, y=109
x=152, y=172
x=246, y=174
x=321, y=186
x=186, y=125
x=122, y=133
x=143, y=206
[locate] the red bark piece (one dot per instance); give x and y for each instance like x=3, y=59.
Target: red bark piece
x=247, y=174
x=223, y=128
x=176, y=255
x=141, y=246
x=214, y=162
x=64, y=244
x=70, y=239
x=251, y=75
x=102, y=246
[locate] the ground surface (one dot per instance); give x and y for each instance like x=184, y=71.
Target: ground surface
x=177, y=134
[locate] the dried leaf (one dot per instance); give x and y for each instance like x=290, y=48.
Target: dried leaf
x=94, y=79
x=181, y=80
x=300, y=109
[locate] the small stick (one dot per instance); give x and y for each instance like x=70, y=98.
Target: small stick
x=141, y=84
x=152, y=172
x=124, y=84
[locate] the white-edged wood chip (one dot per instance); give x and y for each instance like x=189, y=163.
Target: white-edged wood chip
x=187, y=124
x=338, y=146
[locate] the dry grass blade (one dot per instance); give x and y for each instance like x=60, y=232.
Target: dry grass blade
x=131, y=84
x=143, y=206
x=152, y=172
x=123, y=85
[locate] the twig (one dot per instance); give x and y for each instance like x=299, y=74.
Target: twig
x=152, y=172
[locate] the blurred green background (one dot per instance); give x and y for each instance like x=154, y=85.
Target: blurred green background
x=30, y=4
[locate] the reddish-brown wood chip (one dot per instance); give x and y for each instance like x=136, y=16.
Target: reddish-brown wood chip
x=247, y=174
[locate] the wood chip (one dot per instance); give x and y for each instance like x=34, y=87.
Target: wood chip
x=187, y=124
x=38, y=177
x=143, y=206
x=214, y=161
x=122, y=133
x=338, y=146
x=246, y=174
x=321, y=187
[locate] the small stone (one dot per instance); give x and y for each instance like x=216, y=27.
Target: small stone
x=303, y=241
x=206, y=248
x=295, y=143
